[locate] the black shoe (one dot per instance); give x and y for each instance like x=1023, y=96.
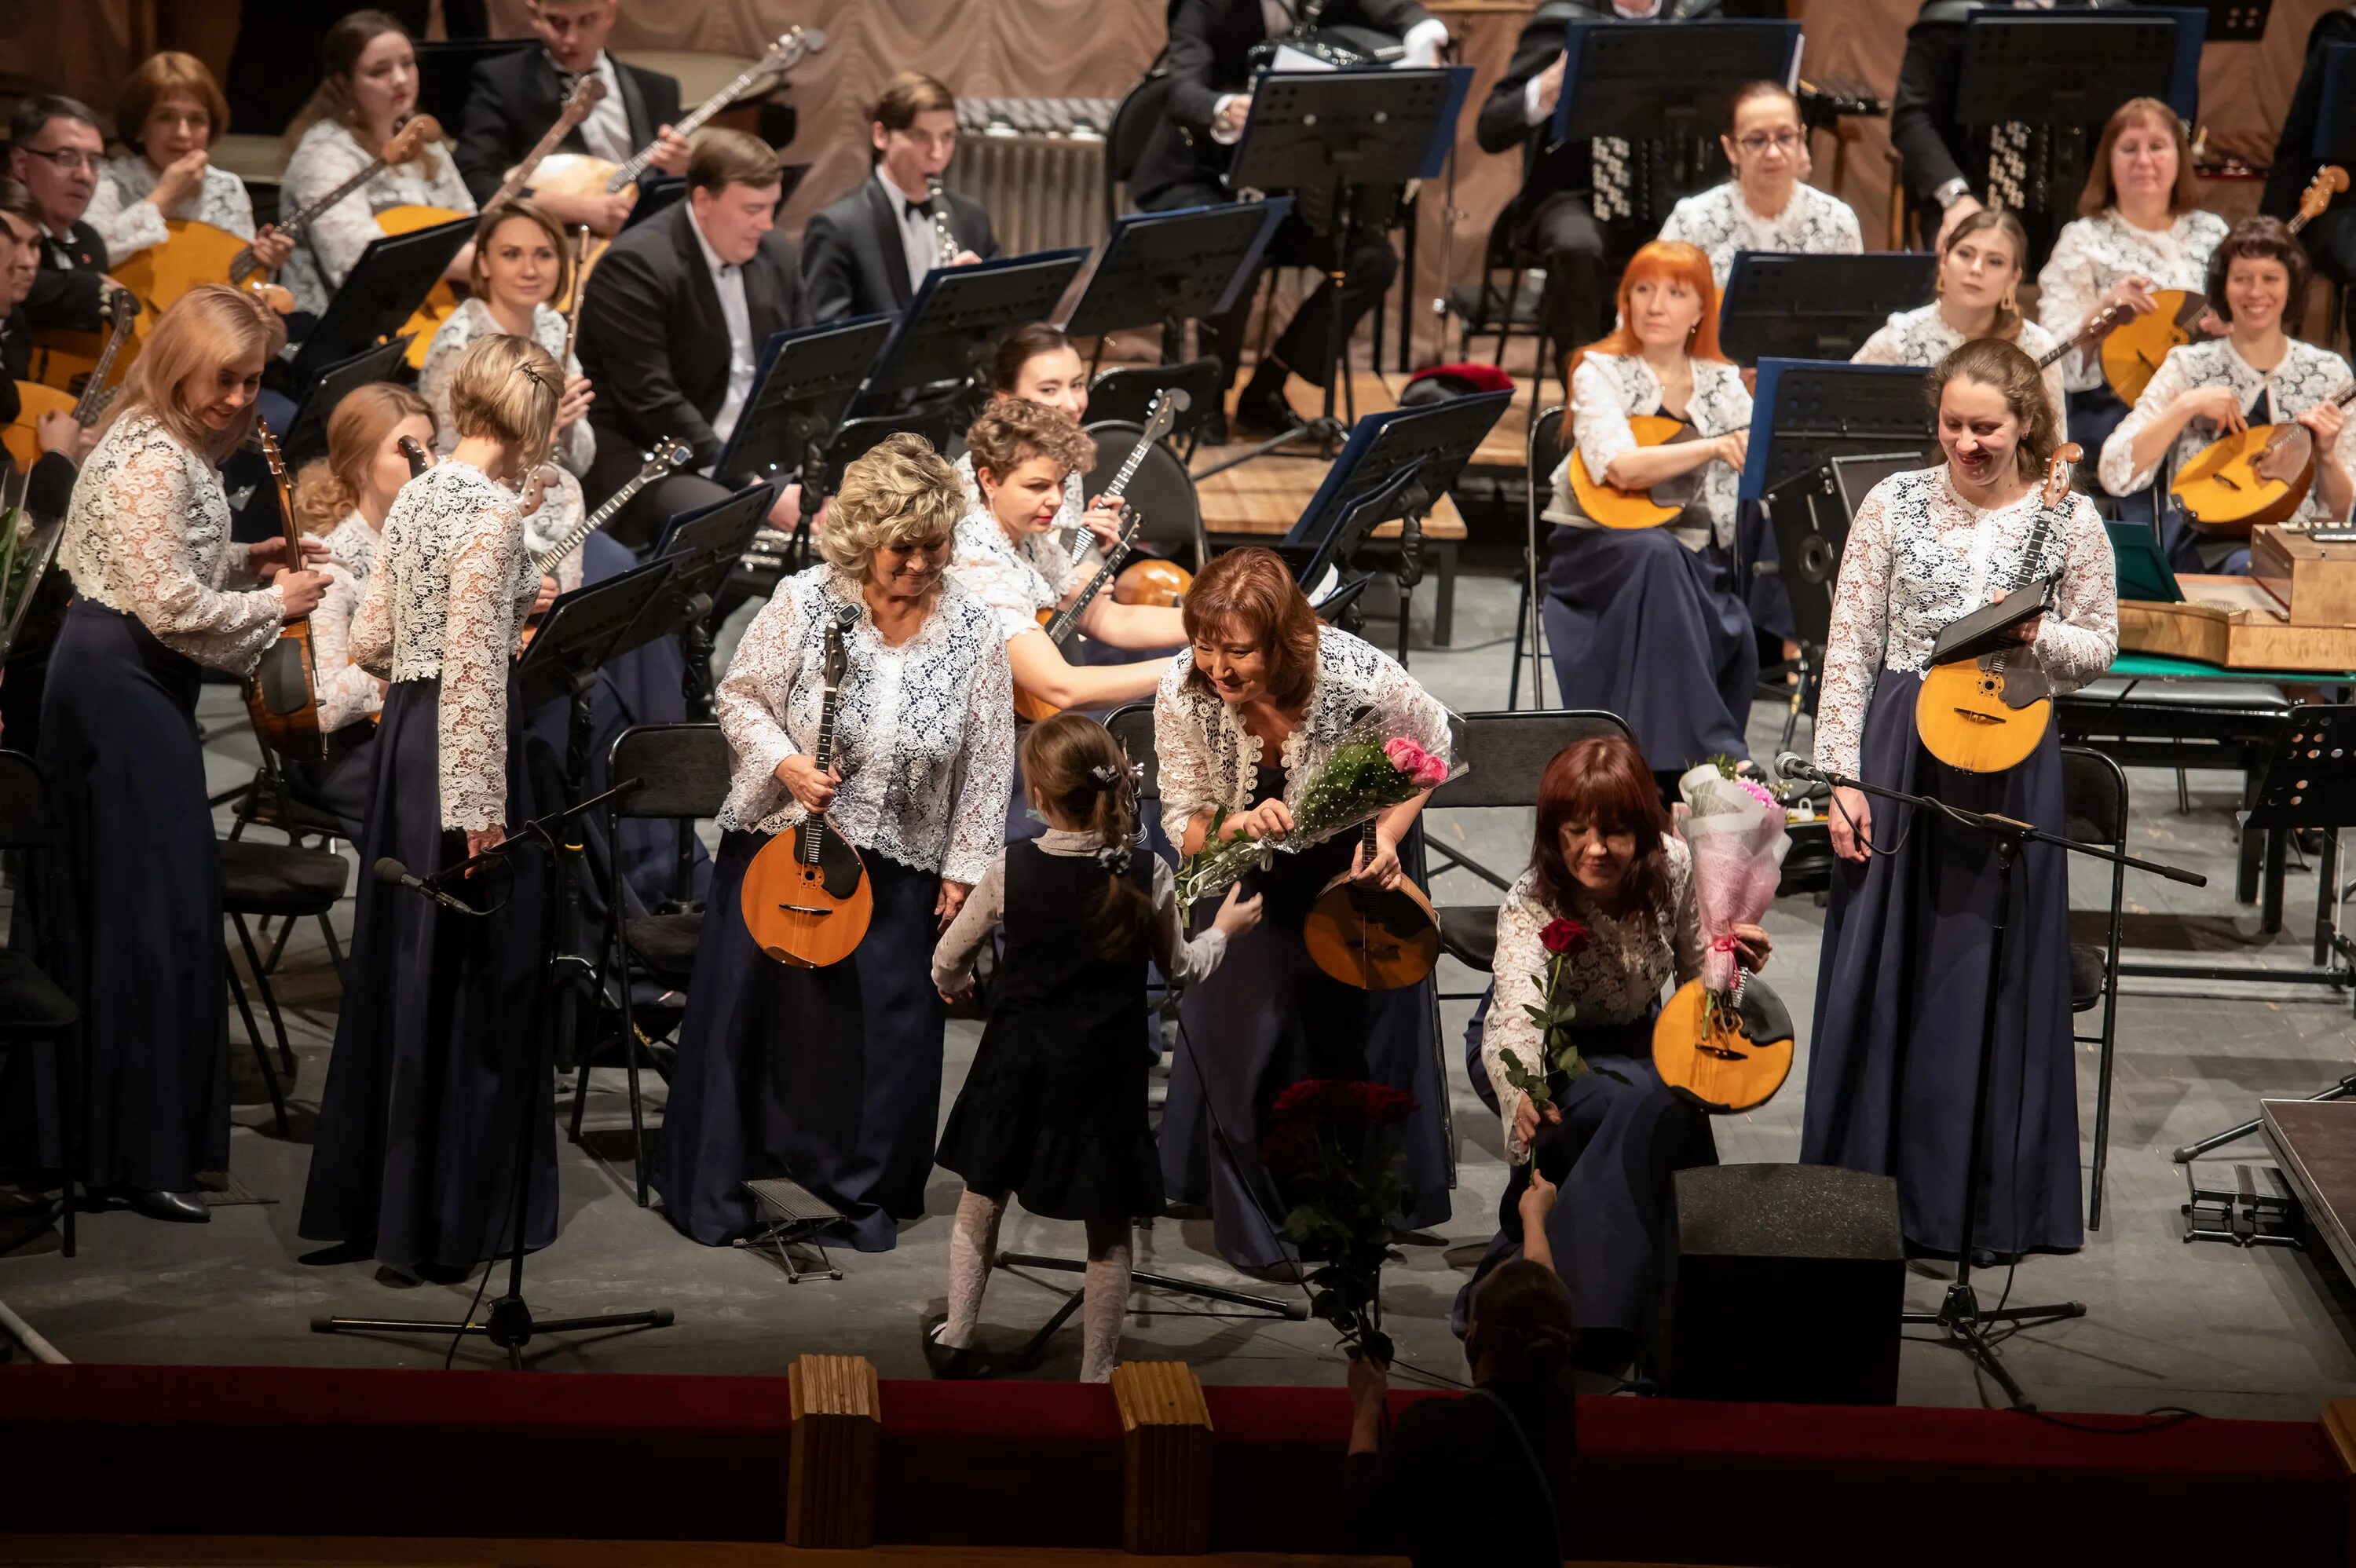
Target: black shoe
x=182, y=1208
x=1261, y=410
x=1212, y=431
x=946, y=1361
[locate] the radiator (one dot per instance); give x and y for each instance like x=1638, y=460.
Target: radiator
x=1037, y=165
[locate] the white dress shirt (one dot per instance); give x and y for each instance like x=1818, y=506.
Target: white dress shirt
x=918, y=244
x=607, y=132
x=729, y=279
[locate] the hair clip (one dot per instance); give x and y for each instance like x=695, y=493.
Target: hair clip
x=1115, y=859
x=1104, y=773
x=537, y=379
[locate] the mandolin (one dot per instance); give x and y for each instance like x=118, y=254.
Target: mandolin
x=1983, y=715
x=22, y=438
x=586, y=94
x=1608, y=505
x=579, y=174
x=805, y=896
x=1725, y=1055
x=2134, y=349
x=1365, y=937
x=659, y=464
x=281, y=696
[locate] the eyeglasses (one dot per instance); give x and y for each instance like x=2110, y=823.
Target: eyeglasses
x=66, y=159
x=1759, y=142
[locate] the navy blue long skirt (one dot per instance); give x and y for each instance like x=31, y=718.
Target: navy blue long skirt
x=127, y=915
x=830, y=1076
x=437, y=1067
x=1902, y=991
x=1268, y=1017
x=1642, y=627
x=1628, y=1137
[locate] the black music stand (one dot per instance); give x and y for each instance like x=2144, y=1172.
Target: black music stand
x=383, y=290
x=1166, y=268
x=702, y=548
x=446, y=72
x=1336, y=133
x=1790, y=306
x=577, y=636
x=2066, y=70
x=307, y=436
x=1676, y=83
x=808, y=377
x=956, y=310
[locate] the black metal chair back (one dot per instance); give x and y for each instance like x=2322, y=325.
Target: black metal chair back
x=1126, y=393
x=1506, y=754
x=1133, y=726
x=683, y=769
x=1161, y=489
x=1544, y=456
x=1134, y=122
x=2095, y=811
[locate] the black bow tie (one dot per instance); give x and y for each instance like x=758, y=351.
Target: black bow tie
x=923, y=209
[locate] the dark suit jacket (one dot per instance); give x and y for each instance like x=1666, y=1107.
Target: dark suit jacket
x=69, y=296
x=513, y=98
x=1210, y=56
x=656, y=344
x=1501, y=127
x=1923, y=127
x=853, y=264
x=2295, y=161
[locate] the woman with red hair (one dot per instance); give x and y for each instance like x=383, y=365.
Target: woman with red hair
x=1649, y=623
x=1247, y=717
x=1608, y=891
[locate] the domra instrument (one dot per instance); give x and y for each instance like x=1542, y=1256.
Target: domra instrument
x=23, y=439
x=806, y=899
x=1725, y=1055
x=281, y=696
x=1608, y=505
x=1373, y=939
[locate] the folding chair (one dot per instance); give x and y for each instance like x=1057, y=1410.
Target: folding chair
x=1544, y=456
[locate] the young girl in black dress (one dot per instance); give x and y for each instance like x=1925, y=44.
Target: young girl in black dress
x=1053, y=1110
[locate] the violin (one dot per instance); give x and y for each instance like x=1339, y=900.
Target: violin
x=281, y=696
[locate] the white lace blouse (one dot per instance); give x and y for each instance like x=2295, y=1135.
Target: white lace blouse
x=1718, y=222
x=1607, y=390
x=1208, y=759
x=445, y=600
x=327, y=156
x=924, y=732
x=1615, y=980
x=2306, y=375
x=147, y=533
x=129, y=222
x=348, y=694
x=2091, y=254
x=1016, y=579
x=1918, y=557
x=1922, y=337
x=577, y=449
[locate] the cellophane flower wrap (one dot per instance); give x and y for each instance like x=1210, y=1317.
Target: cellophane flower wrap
x=1368, y=773
x=1735, y=829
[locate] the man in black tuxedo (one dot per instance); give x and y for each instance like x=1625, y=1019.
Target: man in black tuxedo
x=513, y=98
x=865, y=254
x=672, y=324
x=2330, y=240
x=1556, y=215
x=1186, y=163
x=54, y=149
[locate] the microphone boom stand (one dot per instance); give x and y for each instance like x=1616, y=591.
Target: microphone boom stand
x=1960, y=1313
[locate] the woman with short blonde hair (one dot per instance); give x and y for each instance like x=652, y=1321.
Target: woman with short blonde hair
x=131, y=919
x=833, y=1075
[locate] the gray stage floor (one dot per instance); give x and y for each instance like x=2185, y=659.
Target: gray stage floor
x=2264, y=1332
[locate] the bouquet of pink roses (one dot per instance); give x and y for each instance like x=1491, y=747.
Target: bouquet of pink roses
x=1735, y=830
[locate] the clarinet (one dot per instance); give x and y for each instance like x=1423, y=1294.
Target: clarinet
x=944, y=237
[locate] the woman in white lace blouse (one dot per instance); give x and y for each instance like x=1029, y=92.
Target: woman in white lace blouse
x=1036, y=363
x=1905, y=975
x=1611, y=887
x=169, y=116
x=1648, y=623
x=162, y=594
x=1247, y=717
x=368, y=86
x=1767, y=205
x=1979, y=280
x=434, y=1047
x=2256, y=374
x=834, y=1076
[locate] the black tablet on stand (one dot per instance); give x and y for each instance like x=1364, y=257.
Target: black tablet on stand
x=1787, y=306
x=383, y=290
x=807, y=379
x=1677, y=82
x=955, y=311
x=307, y=436
x=1158, y=269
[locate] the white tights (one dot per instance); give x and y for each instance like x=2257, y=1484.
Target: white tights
x=973, y=1241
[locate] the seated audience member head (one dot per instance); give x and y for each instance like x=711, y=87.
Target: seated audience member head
x=365, y=467
x=734, y=185
x=54, y=148
x=1667, y=300
x=521, y=256
x=505, y=389
x=1254, y=636
x=1766, y=142
x=1989, y=401
x=1520, y=1330
x=2143, y=165
x=202, y=369
x=20, y=243
x=891, y=521
x=368, y=79
x=1980, y=267
x=1600, y=829
x=170, y=108
x=1021, y=453
x=2257, y=277
x=1036, y=363
x=573, y=31
x=913, y=129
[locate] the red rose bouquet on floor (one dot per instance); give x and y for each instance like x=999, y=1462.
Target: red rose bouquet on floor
x=1334, y=1145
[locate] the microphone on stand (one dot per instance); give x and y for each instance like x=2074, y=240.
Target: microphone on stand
x=392, y=873
x=1791, y=766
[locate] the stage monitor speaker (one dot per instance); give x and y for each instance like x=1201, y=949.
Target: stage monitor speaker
x=1782, y=1284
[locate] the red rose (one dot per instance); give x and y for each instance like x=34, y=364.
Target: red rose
x=1566, y=937
x=1382, y=1104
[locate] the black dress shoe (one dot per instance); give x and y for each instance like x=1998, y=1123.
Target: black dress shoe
x=1260, y=409
x=946, y=1361
x=1213, y=432
x=181, y=1208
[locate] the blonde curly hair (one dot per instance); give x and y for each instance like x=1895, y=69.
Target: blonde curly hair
x=901, y=495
